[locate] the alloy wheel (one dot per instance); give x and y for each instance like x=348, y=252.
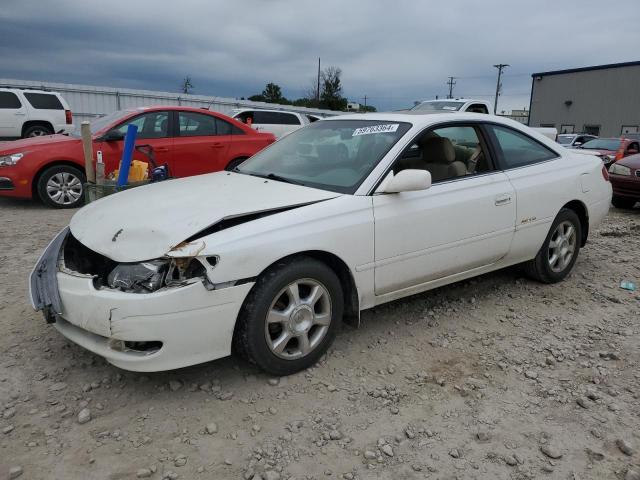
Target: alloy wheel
x=298, y=319
x=64, y=188
x=562, y=246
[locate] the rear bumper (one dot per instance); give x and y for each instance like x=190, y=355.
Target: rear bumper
x=193, y=324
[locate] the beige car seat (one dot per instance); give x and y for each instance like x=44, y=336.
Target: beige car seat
x=439, y=159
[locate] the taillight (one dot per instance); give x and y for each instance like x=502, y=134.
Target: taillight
x=605, y=173
x=68, y=117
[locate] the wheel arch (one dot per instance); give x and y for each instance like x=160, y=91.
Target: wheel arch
x=32, y=123
x=344, y=274
x=55, y=163
x=581, y=210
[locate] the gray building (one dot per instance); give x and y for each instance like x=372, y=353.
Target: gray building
x=603, y=100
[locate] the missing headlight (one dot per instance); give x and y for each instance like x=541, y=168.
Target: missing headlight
x=139, y=277
x=146, y=277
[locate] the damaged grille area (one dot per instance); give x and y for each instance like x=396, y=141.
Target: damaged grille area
x=140, y=277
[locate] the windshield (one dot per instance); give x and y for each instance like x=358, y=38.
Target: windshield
x=602, y=144
x=335, y=155
x=438, y=106
x=101, y=122
x=565, y=139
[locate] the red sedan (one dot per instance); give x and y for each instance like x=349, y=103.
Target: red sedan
x=625, y=180
x=191, y=141
x=612, y=149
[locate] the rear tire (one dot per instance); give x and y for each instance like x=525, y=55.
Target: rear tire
x=37, y=131
x=560, y=249
x=236, y=162
x=290, y=317
x=62, y=186
x=623, y=202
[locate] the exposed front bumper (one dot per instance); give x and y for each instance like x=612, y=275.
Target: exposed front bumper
x=194, y=324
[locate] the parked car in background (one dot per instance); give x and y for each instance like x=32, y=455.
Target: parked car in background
x=191, y=141
x=469, y=105
x=33, y=113
x=266, y=260
x=625, y=180
x=278, y=122
x=612, y=149
x=453, y=105
x=574, y=140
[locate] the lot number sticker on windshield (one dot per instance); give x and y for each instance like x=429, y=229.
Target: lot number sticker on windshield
x=388, y=128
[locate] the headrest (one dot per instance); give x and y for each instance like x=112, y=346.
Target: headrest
x=437, y=150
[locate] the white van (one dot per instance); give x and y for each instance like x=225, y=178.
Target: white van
x=278, y=122
x=33, y=113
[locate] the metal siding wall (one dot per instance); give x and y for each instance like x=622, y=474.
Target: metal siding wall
x=608, y=97
x=88, y=102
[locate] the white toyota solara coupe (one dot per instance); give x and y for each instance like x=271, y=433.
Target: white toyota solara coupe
x=335, y=218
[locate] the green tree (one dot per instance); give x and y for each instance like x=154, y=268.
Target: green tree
x=331, y=89
x=272, y=93
x=186, y=86
x=257, y=98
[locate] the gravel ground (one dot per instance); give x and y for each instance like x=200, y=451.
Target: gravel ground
x=493, y=378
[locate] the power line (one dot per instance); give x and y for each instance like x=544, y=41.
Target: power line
x=500, y=67
x=451, y=82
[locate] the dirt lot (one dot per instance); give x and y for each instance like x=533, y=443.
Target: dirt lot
x=493, y=378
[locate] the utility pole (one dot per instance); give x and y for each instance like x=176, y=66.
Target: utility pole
x=318, y=89
x=365, y=102
x=500, y=67
x=451, y=83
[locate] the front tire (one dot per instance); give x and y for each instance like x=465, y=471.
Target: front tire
x=559, y=251
x=290, y=317
x=623, y=202
x=61, y=186
x=236, y=162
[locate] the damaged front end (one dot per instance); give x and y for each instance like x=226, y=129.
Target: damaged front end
x=67, y=255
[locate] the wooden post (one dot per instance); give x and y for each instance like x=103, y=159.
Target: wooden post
x=87, y=147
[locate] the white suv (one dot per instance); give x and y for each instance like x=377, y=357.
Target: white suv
x=278, y=122
x=33, y=113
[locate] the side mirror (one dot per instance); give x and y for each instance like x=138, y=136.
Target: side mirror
x=406, y=181
x=113, y=136
x=577, y=144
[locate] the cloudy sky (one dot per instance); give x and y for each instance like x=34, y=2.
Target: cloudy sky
x=393, y=51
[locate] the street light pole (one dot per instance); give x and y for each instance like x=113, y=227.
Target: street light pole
x=500, y=67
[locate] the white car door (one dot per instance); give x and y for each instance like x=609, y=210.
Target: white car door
x=464, y=221
x=267, y=122
x=13, y=114
x=541, y=187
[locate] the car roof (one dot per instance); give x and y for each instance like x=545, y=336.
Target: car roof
x=418, y=118
x=28, y=90
x=249, y=109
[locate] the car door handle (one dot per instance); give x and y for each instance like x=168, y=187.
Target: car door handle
x=161, y=149
x=217, y=145
x=19, y=113
x=503, y=200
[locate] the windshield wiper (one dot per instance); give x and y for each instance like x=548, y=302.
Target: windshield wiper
x=274, y=176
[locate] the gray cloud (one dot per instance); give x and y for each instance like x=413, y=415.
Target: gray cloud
x=394, y=52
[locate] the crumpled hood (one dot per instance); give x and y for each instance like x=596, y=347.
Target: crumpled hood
x=146, y=222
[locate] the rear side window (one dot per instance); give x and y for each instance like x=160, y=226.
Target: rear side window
x=196, y=124
x=288, y=119
x=266, y=118
x=478, y=108
x=518, y=149
x=44, y=101
x=9, y=100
